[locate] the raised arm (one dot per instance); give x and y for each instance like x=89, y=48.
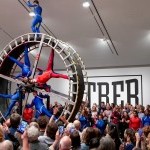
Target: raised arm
x=25, y=143
x=31, y=5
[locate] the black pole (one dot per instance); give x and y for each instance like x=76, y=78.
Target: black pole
x=20, y=101
x=48, y=102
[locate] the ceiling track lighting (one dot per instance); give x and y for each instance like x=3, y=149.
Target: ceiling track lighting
x=102, y=27
x=32, y=14
x=103, y=39
x=86, y=3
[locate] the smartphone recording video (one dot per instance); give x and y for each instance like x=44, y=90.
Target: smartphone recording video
x=61, y=129
x=23, y=125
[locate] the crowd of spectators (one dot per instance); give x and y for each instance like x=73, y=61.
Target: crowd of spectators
x=104, y=127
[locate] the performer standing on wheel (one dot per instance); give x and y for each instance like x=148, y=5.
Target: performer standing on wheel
x=26, y=72
x=37, y=19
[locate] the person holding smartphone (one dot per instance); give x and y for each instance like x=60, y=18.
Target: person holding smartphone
x=49, y=137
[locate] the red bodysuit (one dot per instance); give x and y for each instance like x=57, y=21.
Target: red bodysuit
x=49, y=73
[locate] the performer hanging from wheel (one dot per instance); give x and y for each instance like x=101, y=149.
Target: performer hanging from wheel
x=13, y=99
x=42, y=79
x=26, y=72
x=37, y=19
x=39, y=105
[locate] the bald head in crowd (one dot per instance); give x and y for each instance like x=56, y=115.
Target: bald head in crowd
x=77, y=124
x=65, y=143
x=6, y=145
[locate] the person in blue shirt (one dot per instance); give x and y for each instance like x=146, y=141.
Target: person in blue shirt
x=83, y=118
x=146, y=118
x=37, y=19
x=26, y=72
x=13, y=99
x=39, y=105
x=100, y=124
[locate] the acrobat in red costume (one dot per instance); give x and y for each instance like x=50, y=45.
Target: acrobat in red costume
x=48, y=73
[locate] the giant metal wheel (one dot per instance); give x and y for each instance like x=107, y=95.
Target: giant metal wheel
x=72, y=61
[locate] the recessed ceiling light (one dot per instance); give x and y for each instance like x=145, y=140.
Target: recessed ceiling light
x=86, y=4
x=103, y=40
x=32, y=14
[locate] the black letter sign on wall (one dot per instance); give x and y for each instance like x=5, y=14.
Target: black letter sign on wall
x=89, y=90
x=100, y=91
x=129, y=95
x=118, y=89
x=115, y=95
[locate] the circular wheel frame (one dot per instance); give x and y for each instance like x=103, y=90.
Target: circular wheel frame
x=72, y=61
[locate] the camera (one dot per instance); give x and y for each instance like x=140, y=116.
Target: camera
x=23, y=125
x=61, y=129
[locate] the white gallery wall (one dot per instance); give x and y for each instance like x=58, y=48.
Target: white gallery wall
x=120, y=83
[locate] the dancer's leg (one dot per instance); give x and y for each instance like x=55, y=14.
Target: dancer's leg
x=12, y=104
x=33, y=26
x=37, y=114
x=46, y=112
x=16, y=61
x=57, y=75
x=39, y=21
x=50, y=61
x=38, y=28
x=26, y=57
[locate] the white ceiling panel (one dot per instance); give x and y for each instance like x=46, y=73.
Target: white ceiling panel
x=126, y=21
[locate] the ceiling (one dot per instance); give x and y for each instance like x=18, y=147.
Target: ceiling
x=124, y=24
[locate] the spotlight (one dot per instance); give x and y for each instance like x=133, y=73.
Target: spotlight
x=103, y=40
x=86, y=4
x=32, y=14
